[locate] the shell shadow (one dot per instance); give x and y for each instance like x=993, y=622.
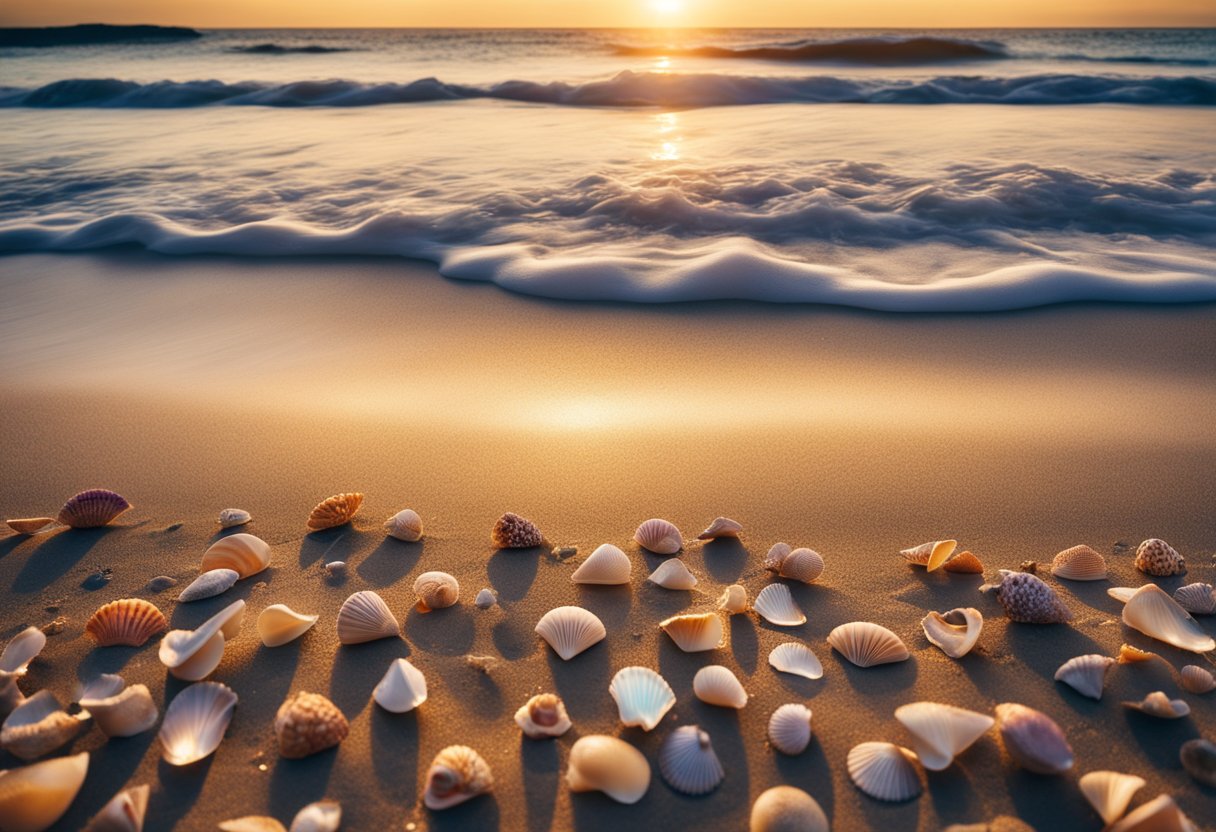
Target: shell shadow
x=744, y=644
x=479, y=813
x=395, y=748
x=890, y=817
x=101, y=660
x=449, y=632
x=270, y=672
x=358, y=668
x=611, y=604
x=110, y=767
x=879, y=679
x=56, y=556
x=539, y=761
x=514, y=638
x=596, y=810
x=512, y=571
x=1047, y=802
x=13, y=541
x=178, y=790
x=327, y=545
x=589, y=670
x=1044, y=647
x=954, y=791
x=810, y=767
x=664, y=603
x=294, y=782
x=725, y=559
x=1159, y=739
x=389, y=562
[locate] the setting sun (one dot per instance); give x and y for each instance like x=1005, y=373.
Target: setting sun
x=667, y=7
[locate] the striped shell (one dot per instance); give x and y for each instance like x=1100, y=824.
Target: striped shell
x=544, y=715
x=1027, y=599
x=930, y=555
x=436, y=591
x=232, y=517
x=1080, y=563
x=34, y=797
x=458, y=773
x=514, y=532
x=193, y=654
x=38, y=726
x=642, y=696
x=607, y=566
x=92, y=508
x=209, y=584
x=964, y=563
x=334, y=511
x=716, y=685
x=195, y=722
x=721, y=527
x=1033, y=739
x=365, y=617
x=796, y=658
x=866, y=644
x=404, y=525
x=733, y=600
x=673, y=574
x=776, y=605
x=1086, y=674
x=803, y=565
x=117, y=710
x=941, y=732
x=1109, y=792
x=954, y=632
x=1160, y=813
x=1197, y=599
x=279, y=624
x=789, y=728
x=1196, y=679
x=688, y=763
x=786, y=809
x=123, y=813
x=570, y=630
x=244, y=553
x=129, y=621
x=659, y=536
x=694, y=633
x=1156, y=557
x=29, y=525
x=402, y=689
x=609, y=765
x=1161, y=706
x=884, y=771
x=1154, y=613
x=307, y=723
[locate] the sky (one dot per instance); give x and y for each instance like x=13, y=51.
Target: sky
x=614, y=13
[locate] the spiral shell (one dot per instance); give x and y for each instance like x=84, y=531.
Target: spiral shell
x=29, y=525
x=786, y=809
x=365, y=617
x=121, y=712
x=544, y=715
x=1086, y=674
x=435, y=591
x=776, y=605
x=307, y=723
x=609, y=765
x=458, y=773
x=123, y=813
x=659, y=536
x=404, y=525
x=514, y=532
x=129, y=621
x=570, y=630
x=1156, y=557
x=244, y=553
x=1161, y=706
x=1080, y=563
x=688, y=763
x=884, y=771
x=792, y=657
x=1109, y=792
x=930, y=555
x=642, y=696
x=334, y=511
x=733, y=600
x=209, y=584
x=803, y=565
x=716, y=685
x=954, y=632
x=93, y=508
x=402, y=689
x=721, y=527
x=1197, y=599
x=38, y=726
x=694, y=633
x=195, y=722
x=1196, y=679
x=279, y=624
x=789, y=728
x=232, y=517
x=33, y=797
x=1154, y=613
x=941, y=732
x=1033, y=739
x=866, y=644
x=1027, y=599
x=673, y=574
x=607, y=565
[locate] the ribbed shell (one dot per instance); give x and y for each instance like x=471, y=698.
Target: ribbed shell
x=128, y=621
x=570, y=630
x=1197, y=599
x=673, y=574
x=232, y=517
x=607, y=566
x=1156, y=557
x=1033, y=739
x=29, y=525
x=20, y=651
x=247, y=554
x=92, y=508
x=458, y=773
x=954, y=632
x=322, y=816
x=307, y=723
x=695, y=632
x=796, y=658
x=365, y=617
x=124, y=713
x=402, y=689
x=716, y=685
x=866, y=644
x=659, y=536
x=884, y=771
x=1154, y=613
x=941, y=732
x=803, y=565
x=436, y=591
x=609, y=765
x=642, y=696
x=930, y=555
x=544, y=715
x=787, y=809
x=721, y=527
x=1161, y=814
x=123, y=813
x=193, y=654
x=33, y=797
x=209, y=584
x=688, y=763
x=1109, y=792
x=1161, y=706
x=1027, y=599
x=789, y=728
x=1198, y=757
x=964, y=563
x=776, y=605
x=334, y=511
x=195, y=722
x=1086, y=674
x=404, y=525
x=1196, y=679
x=733, y=600
x=38, y=726
x=279, y=624
x=1080, y=563
x=514, y=532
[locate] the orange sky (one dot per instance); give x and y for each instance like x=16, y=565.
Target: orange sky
x=561, y=13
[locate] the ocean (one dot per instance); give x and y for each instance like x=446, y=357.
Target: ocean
x=932, y=171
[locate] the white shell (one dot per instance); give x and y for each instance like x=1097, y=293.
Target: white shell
x=1033, y=739
x=607, y=566
x=954, y=632
x=195, y=722
x=941, y=732
x=1197, y=599
x=1196, y=679
x=458, y=773
x=786, y=809
x=193, y=654
x=659, y=536
x=38, y=726
x=866, y=644
x=1086, y=674
x=1122, y=594
x=1110, y=792
x=402, y=689
x=1161, y=814
x=733, y=600
x=884, y=771
x=695, y=632
x=209, y=584
x=117, y=710
x=610, y=765
x=796, y=658
x=1161, y=706
x=1154, y=613
x=279, y=624
x=688, y=763
x=789, y=728
x=776, y=605
x=485, y=599
x=322, y=816
x=930, y=555
x=245, y=553
x=231, y=517
x=721, y=527
x=34, y=797
x=20, y=651
x=365, y=617
x=123, y=813
x=673, y=574
x=404, y=525
x=642, y=696
x=436, y=591
x=570, y=630
x=804, y=565
x=544, y=715
x=716, y=685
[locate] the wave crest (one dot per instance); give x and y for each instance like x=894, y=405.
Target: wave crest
x=881, y=51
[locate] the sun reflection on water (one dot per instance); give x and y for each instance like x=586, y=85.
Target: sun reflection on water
x=667, y=126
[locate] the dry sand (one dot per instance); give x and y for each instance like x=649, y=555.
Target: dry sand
x=194, y=385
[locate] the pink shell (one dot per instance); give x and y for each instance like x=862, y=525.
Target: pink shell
x=92, y=508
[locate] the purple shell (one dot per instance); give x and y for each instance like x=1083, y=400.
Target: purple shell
x=92, y=508
x=1027, y=599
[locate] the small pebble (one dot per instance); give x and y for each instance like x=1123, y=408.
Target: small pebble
x=483, y=663
x=1030, y=566
x=55, y=627
x=485, y=599
x=259, y=586
x=563, y=552
x=1121, y=547
x=336, y=570
x=160, y=583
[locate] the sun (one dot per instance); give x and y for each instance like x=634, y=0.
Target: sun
x=667, y=7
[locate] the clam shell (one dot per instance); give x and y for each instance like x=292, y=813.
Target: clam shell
x=402, y=689
x=193, y=654
x=642, y=696
x=92, y=508
x=1080, y=563
x=1161, y=706
x=776, y=605
x=570, y=630
x=789, y=728
x=964, y=563
x=1161, y=814
x=803, y=565
x=514, y=532
x=1156, y=557
x=365, y=617
x=659, y=536
x=721, y=527
x=209, y=584
x=33, y=797
x=404, y=525
x=733, y=600
x=941, y=732
x=716, y=685
x=38, y=726
x=609, y=765
x=796, y=658
x=307, y=723
x=544, y=715
x=607, y=565
x=1198, y=757
x=29, y=525
x=673, y=574
x=485, y=599
x=930, y=555
x=1154, y=613
x=195, y=722
x=1033, y=739
x=688, y=763
x=787, y=809
x=279, y=624
x=334, y=511
x=124, y=712
x=458, y=773
x=322, y=816
x=245, y=553
x=1027, y=599
x=954, y=632
x=1196, y=679
x=1197, y=599
x=884, y=771
x=232, y=517
x=129, y=621
x=20, y=651
x=866, y=644
x=436, y=591
x=123, y=813
x=1086, y=674
x=1109, y=792
x=694, y=633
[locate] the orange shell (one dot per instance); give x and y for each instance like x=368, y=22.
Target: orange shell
x=129, y=621
x=965, y=563
x=335, y=511
x=29, y=525
x=1131, y=655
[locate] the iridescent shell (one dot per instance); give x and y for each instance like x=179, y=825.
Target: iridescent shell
x=29, y=525
x=884, y=771
x=404, y=525
x=733, y=600
x=458, y=773
x=436, y=591
x=803, y=565
x=930, y=555
x=92, y=508
x=1161, y=706
x=38, y=726
x=1027, y=599
x=673, y=574
x=716, y=685
x=19, y=652
x=609, y=765
x=607, y=566
x=210, y=584
x=642, y=696
x=866, y=644
x=789, y=728
x=1080, y=563
x=1033, y=739
x=570, y=630
x=129, y=621
x=688, y=763
x=307, y=723
x=721, y=527
x=279, y=624
x=193, y=654
x=117, y=710
x=123, y=813
x=798, y=659
x=964, y=563
x=1086, y=674
x=659, y=536
x=1109, y=792
x=776, y=605
x=195, y=722
x=1197, y=599
x=334, y=511
x=1154, y=613
x=954, y=632
x=1198, y=757
x=694, y=632
x=33, y=797
x=941, y=732
x=514, y=532
x=365, y=617
x=1156, y=557
x=544, y=715
x=1196, y=679
x=787, y=809
x=244, y=553
x=402, y=689
x=232, y=517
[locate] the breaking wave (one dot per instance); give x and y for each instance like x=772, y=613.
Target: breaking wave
x=885, y=51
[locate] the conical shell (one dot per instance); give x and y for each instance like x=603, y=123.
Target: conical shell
x=365, y=617
x=195, y=722
x=659, y=536
x=38, y=726
x=796, y=658
x=245, y=553
x=607, y=565
x=1161, y=814
x=789, y=728
x=232, y=517
x=124, y=813
x=930, y=555
x=1033, y=739
x=642, y=696
x=334, y=511
x=92, y=508
x=733, y=600
x=866, y=644
x=307, y=723
x=1109, y=792
x=1196, y=679
x=964, y=563
x=787, y=809
x=716, y=685
x=544, y=715
x=609, y=765
x=803, y=565
x=688, y=763
x=457, y=774
x=954, y=632
x=673, y=574
x=121, y=713
x=436, y=591
x=485, y=599
x=402, y=689
x=1080, y=563
x=322, y=816
x=130, y=622
x=1161, y=706
x=694, y=633
x=884, y=771
x=33, y=797
x=1027, y=599
x=193, y=654
x=20, y=651
x=210, y=584
x=279, y=624
x=1197, y=599
x=1156, y=557
x=404, y=525
x=570, y=630
x=1198, y=757
x=721, y=527
x=776, y=605
x=941, y=732
x=514, y=532
x=1086, y=674
x=1158, y=616
x=29, y=525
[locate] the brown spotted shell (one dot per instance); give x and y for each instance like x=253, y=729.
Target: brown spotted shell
x=92, y=508
x=307, y=723
x=1156, y=557
x=334, y=511
x=514, y=532
x=129, y=621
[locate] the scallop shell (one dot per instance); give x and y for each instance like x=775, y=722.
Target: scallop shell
x=789, y=728
x=1134, y=655
x=279, y=624
x=688, y=763
x=232, y=517
x=334, y=511
x=92, y=508
x=307, y=723
x=803, y=565
x=209, y=584
x=786, y=809
x=570, y=630
x=694, y=633
x=33, y=797
x=485, y=599
x=884, y=771
x=436, y=591
x=1161, y=706
x=1161, y=814
x=38, y=726
x=402, y=689
x=659, y=536
x=1080, y=563
x=796, y=658
x=716, y=685
x=1198, y=757
x=733, y=600
x=1027, y=599
x=1154, y=613
x=1109, y=792
x=609, y=765
x=1086, y=674
x=642, y=696
x=866, y=644
x=941, y=732
x=322, y=816
x=776, y=605
x=1033, y=739
x=19, y=652
x=544, y=715
x=1197, y=599
x=365, y=617
x=930, y=555
x=129, y=621
x=954, y=632
x=195, y=722
x=514, y=532
x=29, y=525
x=673, y=574
x=458, y=773
x=721, y=527
x=193, y=654
x=245, y=553
x=1196, y=679
x=607, y=565
x=404, y=525
x=124, y=813
x=1156, y=557
x=121, y=712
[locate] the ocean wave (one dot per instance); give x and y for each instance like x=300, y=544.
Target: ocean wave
x=884, y=51
x=91, y=34
x=279, y=49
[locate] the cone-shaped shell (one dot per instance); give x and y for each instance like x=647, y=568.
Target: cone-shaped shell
x=866, y=644
x=307, y=723
x=1154, y=613
x=673, y=574
x=38, y=726
x=688, y=763
x=787, y=809
x=733, y=600
x=1161, y=814
x=570, y=630
x=1197, y=599
x=803, y=565
x=930, y=555
x=29, y=525
x=695, y=632
x=607, y=565
x=485, y=599
x=884, y=771
x=1080, y=563
x=1033, y=739
x=716, y=685
x=796, y=658
x=458, y=773
x=402, y=689
x=193, y=654
x=33, y=797
x=659, y=536
x=92, y=508
x=20, y=651
x=1086, y=674
x=334, y=511
x=609, y=765
x=544, y=715
x=279, y=624
x=514, y=532
x=789, y=728
x=954, y=632
x=776, y=605
x=233, y=517
x=1109, y=792
x=721, y=527
x=124, y=813
x=404, y=525
x=964, y=563
x=129, y=621
x=1161, y=706
x=436, y=591
x=642, y=696
x=1027, y=599
x=365, y=617
x=210, y=584
x=1196, y=679
x=247, y=554
x=941, y=732
x=195, y=722
x=1198, y=757
x=121, y=713
x=1156, y=557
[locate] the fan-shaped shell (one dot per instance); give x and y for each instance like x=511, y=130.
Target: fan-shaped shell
x=776, y=605
x=307, y=723
x=1198, y=757
x=941, y=732
x=485, y=599
x=193, y=654
x=673, y=574
x=1080, y=563
x=322, y=816
x=1196, y=679
x=721, y=527
x=733, y=600
x=514, y=532
x=1086, y=674
x=29, y=525
x=279, y=624
x=20, y=651
x=124, y=712
x=884, y=771
x=195, y=722
x=1033, y=739
x=247, y=554
x=123, y=813
x=688, y=763
x=365, y=617
x=570, y=630
x=404, y=525
x=436, y=591
x=1027, y=599
x=607, y=565
x=33, y=797
x=787, y=809
x=334, y=511
x=930, y=555
x=1109, y=792
x=1154, y=613
x=92, y=508
x=232, y=517
x=209, y=584
x=38, y=726
x=544, y=715
x=609, y=765
x=1161, y=706
x=1156, y=557
x=796, y=658
x=964, y=563
x=1197, y=599
x=642, y=696
x=695, y=632
x=954, y=632
x=1161, y=814
x=803, y=565
x=457, y=774
x=716, y=685
x=402, y=689
x=129, y=621
x=789, y=728
x=659, y=536
x=866, y=644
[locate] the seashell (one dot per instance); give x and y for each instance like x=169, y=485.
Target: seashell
x=231, y=517
x=1161, y=706
x=721, y=527
x=485, y=599
x=866, y=644
x=1027, y=599
x=103, y=687
x=607, y=565
x=38, y=726
x=544, y=715
x=716, y=685
x=209, y=584
x=787, y=809
x=1134, y=655
x=160, y=583
x=124, y=813
x=1080, y=563
x=1154, y=613
x=799, y=564
x=1122, y=594
x=19, y=652
x=514, y=532
x=673, y=574
x=1196, y=679
x=193, y=654
x=334, y=511
x=307, y=723
x=1033, y=739
x=335, y=570
x=130, y=622
x=245, y=553
x=609, y=765
x=884, y=771
x=252, y=823
x=195, y=722
x=796, y=658
x=1156, y=557
x=279, y=624
x=964, y=563
x=33, y=797
x=404, y=525
x=322, y=816
x=435, y=591
x=776, y=605
x=1086, y=674
x=1197, y=599
x=29, y=525
x=941, y=732
x=733, y=600
x=458, y=773
x=1161, y=814
x=119, y=711
x=930, y=555
x=1109, y=792
x=688, y=763
x=1198, y=757
x=642, y=696
x=91, y=509
x=694, y=633
x=659, y=536
x=954, y=632
x=570, y=630
x=789, y=728
x=11, y=697
x=365, y=617
x=402, y=689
